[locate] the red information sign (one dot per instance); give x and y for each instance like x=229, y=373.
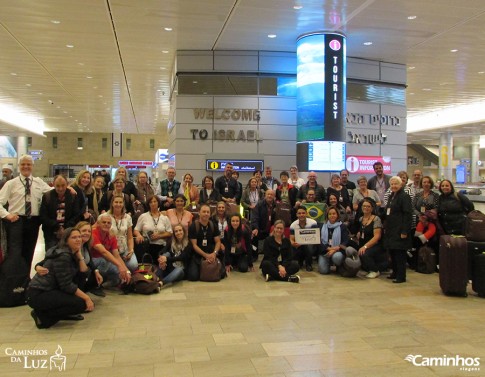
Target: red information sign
x=363, y=164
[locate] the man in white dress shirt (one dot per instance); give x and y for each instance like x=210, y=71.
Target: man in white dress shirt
x=23, y=195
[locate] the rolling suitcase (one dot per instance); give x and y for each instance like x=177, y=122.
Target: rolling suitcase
x=453, y=265
x=478, y=274
x=474, y=248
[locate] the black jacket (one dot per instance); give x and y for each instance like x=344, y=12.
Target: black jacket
x=399, y=218
x=452, y=211
x=243, y=244
x=48, y=211
x=260, y=217
x=63, y=269
x=273, y=250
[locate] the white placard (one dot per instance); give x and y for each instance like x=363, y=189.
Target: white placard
x=307, y=236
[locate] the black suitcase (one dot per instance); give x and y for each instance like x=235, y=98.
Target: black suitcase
x=453, y=265
x=14, y=280
x=474, y=248
x=478, y=274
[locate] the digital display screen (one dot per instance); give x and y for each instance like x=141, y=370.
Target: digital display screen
x=321, y=155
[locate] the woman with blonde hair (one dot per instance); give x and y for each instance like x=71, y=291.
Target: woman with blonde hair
x=96, y=196
x=129, y=188
x=190, y=191
x=278, y=263
x=83, y=187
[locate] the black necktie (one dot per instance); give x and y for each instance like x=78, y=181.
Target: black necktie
x=28, y=205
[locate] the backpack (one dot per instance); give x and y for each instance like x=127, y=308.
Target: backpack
x=351, y=264
x=475, y=226
x=426, y=260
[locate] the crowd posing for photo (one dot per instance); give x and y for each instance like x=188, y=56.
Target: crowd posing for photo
x=98, y=234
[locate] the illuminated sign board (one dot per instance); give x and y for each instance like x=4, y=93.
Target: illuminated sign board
x=136, y=164
x=363, y=164
x=237, y=165
x=321, y=87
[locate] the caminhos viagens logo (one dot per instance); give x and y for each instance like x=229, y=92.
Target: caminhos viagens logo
x=468, y=364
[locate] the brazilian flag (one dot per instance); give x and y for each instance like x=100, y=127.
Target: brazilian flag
x=316, y=211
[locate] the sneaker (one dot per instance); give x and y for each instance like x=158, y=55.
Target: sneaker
x=309, y=268
x=294, y=279
x=373, y=274
x=267, y=277
x=362, y=273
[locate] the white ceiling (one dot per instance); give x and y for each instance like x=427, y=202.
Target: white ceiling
x=116, y=77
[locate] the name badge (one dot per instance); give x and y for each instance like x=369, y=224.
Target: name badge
x=388, y=212
x=330, y=242
x=362, y=235
x=226, y=189
x=341, y=199
x=170, y=194
x=423, y=209
x=59, y=215
x=233, y=250
x=204, y=242
x=194, y=206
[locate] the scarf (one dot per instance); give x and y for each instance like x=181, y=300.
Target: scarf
x=336, y=237
x=187, y=195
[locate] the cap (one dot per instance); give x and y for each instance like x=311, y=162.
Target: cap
x=7, y=166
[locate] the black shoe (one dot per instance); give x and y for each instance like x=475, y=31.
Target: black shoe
x=399, y=281
x=294, y=279
x=98, y=291
x=392, y=277
x=309, y=268
x=73, y=317
x=37, y=321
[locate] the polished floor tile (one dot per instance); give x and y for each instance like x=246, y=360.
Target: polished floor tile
x=243, y=326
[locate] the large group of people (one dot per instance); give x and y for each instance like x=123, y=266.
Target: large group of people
x=96, y=235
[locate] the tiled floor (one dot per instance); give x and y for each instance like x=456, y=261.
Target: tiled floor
x=242, y=326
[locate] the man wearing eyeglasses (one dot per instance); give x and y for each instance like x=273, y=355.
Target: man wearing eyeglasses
x=23, y=195
x=104, y=252
x=311, y=184
x=415, y=185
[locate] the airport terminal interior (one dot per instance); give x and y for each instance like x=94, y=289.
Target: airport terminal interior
x=78, y=73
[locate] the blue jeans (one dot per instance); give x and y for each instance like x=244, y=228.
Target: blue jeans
x=132, y=263
x=324, y=262
x=171, y=274
x=107, y=270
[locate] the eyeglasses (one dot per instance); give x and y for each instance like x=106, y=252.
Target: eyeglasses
x=106, y=222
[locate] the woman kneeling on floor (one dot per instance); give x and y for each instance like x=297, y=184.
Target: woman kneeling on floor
x=278, y=263
x=55, y=296
x=175, y=256
x=334, y=237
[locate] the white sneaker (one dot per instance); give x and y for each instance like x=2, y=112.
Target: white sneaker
x=362, y=273
x=373, y=275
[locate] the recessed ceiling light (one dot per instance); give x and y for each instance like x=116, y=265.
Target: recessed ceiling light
x=56, y=22
x=165, y=51
x=426, y=89
x=89, y=77
x=13, y=74
x=297, y=7
x=454, y=50
x=40, y=93
x=271, y=35
x=80, y=63
x=100, y=96
x=367, y=43
x=412, y=17
x=195, y=82
x=412, y=67
x=31, y=84
x=481, y=72
x=70, y=46
x=411, y=94
x=167, y=29
x=163, y=68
